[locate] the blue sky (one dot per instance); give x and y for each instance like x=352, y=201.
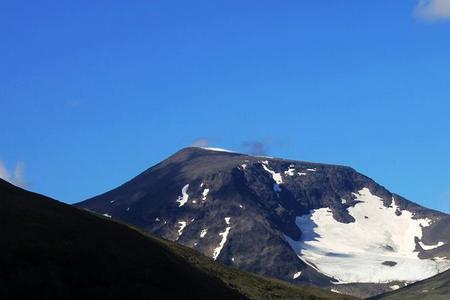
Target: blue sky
x=94, y=92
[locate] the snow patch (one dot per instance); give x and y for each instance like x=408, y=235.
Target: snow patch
x=185, y=196
x=311, y=170
x=355, y=252
x=441, y=259
x=290, y=171
x=297, y=275
x=431, y=247
x=204, y=194
x=240, y=205
x=343, y=201
x=217, y=149
x=106, y=215
x=301, y=174
x=181, y=228
x=224, y=235
x=276, y=177
x=112, y=201
x=394, y=287
x=157, y=219
x=227, y=220
x=244, y=166
x=204, y=232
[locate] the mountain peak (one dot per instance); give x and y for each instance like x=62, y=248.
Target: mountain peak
x=230, y=206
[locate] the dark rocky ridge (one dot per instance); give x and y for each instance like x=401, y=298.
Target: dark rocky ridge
x=256, y=242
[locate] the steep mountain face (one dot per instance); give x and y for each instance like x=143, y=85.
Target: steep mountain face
x=306, y=223
x=51, y=250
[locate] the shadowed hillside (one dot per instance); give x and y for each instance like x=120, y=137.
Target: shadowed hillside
x=50, y=250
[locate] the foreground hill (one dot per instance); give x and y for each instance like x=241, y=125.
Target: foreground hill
x=307, y=223
x=435, y=288
x=49, y=250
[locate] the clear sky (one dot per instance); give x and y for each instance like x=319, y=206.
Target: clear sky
x=94, y=92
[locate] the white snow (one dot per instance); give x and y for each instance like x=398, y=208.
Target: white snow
x=157, y=219
x=194, y=201
x=244, y=166
x=128, y=209
x=290, y=171
x=217, y=149
x=201, y=185
x=112, y=201
x=431, y=247
x=343, y=201
x=394, y=287
x=205, y=193
x=311, y=170
x=204, y=232
x=355, y=252
x=106, y=215
x=441, y=259
x=185, y=196
x=227, y=220
x=335, y=291
x=182, y=226
x=232, y=259
x=265, y=162
x=240, y=205
x=276, y=177
x=301, y=174
x=297, y=275
x=223, y=241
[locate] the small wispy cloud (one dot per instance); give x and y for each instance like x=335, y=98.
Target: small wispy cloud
x=200, y=142
x=257, y=147
x=433, y=10
x=15, y=176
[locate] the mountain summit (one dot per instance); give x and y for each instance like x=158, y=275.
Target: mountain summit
x=307, y=223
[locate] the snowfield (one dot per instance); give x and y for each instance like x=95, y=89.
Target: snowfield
x=224, y=239
x=379, y=247
x=184, y=196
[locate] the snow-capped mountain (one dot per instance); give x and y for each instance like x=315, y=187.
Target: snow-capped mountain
x=307, y=223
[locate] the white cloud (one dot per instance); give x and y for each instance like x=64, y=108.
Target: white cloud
x=200, y=142
x=16, y=176
x=433, y=10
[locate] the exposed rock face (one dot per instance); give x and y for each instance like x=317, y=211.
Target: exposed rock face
x=244, y=211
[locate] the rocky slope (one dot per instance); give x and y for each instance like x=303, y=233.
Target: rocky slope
x=307, y=223
x=51, y=250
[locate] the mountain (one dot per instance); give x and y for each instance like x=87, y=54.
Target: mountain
x=306, y=223
x=50, y=250
x=435, y=288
